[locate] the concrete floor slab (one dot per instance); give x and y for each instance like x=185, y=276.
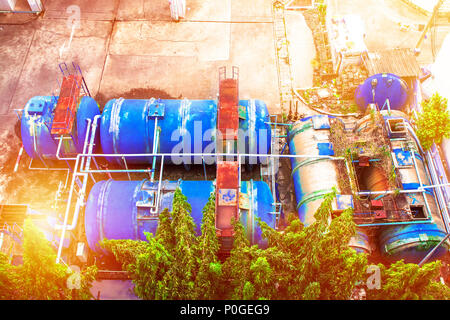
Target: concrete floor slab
x=195, y=77
x=207, y=41
x=40, y=70
x=301, y=49
x=252, y=50
x=255, y=10
x=177, y=76
x=15, y=43
x=159, y=10
x=89, y=10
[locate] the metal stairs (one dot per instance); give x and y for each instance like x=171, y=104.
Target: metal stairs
x=227, y=172
x=285, y=80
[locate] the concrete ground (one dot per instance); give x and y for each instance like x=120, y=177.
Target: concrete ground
x=301, y=49
x=124, y=45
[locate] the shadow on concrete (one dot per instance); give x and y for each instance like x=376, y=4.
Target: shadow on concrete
x=136, y=93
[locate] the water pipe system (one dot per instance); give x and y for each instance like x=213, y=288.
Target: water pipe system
x=132, y=133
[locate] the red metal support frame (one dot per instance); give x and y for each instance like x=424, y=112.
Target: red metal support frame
x=227, y=196
x=227, y=174
x=66, y=106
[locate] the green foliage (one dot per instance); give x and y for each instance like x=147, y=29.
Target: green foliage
x=312, y=263
x=433, y=123
x=9, y=278
x=403, y=281
x=210, y=269
x=40, y=277
x=322, y=9
x=175, y=264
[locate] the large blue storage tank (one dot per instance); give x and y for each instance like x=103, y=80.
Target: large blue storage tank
x=412, y=242
x=379, y=87
x=128, y=125
x=36, y=124
x=122, y=209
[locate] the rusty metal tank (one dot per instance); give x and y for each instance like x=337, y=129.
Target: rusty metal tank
x=315, y=177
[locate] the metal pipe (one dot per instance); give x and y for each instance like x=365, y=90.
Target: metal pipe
x=394, y=223
x=239, y=171
x=91, y=143
x=84, y=145
x=13, y=11
x=204, y=168
x=155, y=143
x=280, y=124
x=58, y=149
x=112, y=155
x=433, y=250
x=16, y=166
x=66, y=216
x=420, y=183
x=436, y=185
x=46, y=168
x=366, y=193
x=126, y=168
x=117, y=171
x=64, y=227
x=158, y=197
x=440, y=196
x=413, y=134
x=444, y=211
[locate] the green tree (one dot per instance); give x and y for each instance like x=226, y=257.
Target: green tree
x=40, y=277
x=315, y=262
x=210, y=269
x=408, y=281
x=9, y=279
x=180, y=278
x=433, y=123
x=175, y=264
x=237, y=267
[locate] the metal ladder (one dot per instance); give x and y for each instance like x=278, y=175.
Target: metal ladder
x=285, y=80
x=76, y=72
x=228, y=170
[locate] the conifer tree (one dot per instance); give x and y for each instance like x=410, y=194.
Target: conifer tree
x=209, y=274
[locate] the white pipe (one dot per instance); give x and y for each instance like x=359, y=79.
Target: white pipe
x=72, y=226
x=112, y=155
x=158, y=198
x=84, y=145
x=83, y=187
x=440, y=196
x=16, y=166
x=91, y=143
x=66, y=216
x=420, y=182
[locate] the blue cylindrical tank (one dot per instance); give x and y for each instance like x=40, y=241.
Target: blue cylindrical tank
x=412, y=242
x=377, y=88
x=186, y=126
x=122, y=209
x=36, y=123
